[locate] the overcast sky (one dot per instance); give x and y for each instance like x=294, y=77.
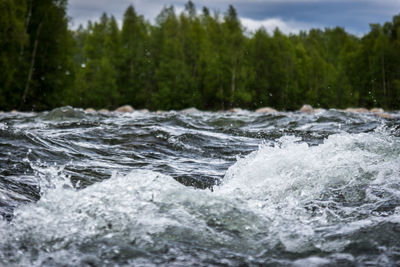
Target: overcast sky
x=289, y=15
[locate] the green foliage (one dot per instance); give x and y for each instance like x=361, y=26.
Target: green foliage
x=12, y=38
x=37, y=54
x=134, y=68
x=101, y=54
x=189, y=59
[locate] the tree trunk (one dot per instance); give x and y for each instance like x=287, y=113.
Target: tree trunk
x=27, y=21
x=233, y=86
x=32, y=65
x=384, y=78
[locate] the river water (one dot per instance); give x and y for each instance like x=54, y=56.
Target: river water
x=208, y=188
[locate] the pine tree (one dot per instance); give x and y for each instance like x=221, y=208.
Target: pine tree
x=99, y=76
x=233, y=53
x=49, y=55
x=135, y=67
x=13, y=38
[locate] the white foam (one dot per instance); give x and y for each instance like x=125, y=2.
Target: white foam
x=143, y=207
x=280, y=181
x=294, y=170
x=262, y=203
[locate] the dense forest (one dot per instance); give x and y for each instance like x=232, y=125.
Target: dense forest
x=198, y=58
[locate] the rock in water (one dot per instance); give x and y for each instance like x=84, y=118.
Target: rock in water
x=385, y=115
x=306, y=109
x=356, y=110
x=190, y=110
x=318, y=110
x=126, y=108
x=266, y=110
x=381, y=113
x=377, y=110
x=103, y=110
x=235, y=110
x=90, y=110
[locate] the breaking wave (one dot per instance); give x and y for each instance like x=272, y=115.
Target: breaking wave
x=287, y=203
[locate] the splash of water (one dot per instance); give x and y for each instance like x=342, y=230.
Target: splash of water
x=286, y=203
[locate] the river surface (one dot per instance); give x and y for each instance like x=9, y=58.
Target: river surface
x=201, y=189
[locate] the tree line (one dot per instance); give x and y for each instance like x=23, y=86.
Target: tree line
x=196, y=58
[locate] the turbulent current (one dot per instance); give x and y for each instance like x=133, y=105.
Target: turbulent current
x=207, y=188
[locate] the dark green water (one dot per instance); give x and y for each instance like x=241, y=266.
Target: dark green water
x=223, y=189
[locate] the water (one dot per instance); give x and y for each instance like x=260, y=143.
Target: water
x=93, y=189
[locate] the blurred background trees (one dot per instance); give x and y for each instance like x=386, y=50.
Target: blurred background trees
x=196, y=58
x=36, y=53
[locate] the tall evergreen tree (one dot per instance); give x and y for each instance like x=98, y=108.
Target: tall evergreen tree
x=204, y=60
x=233, y=54
x=49, y=55
x=98, y=78
x=13, y=38
x=135, y=67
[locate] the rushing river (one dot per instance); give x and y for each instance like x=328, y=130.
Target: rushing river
x=95, y=189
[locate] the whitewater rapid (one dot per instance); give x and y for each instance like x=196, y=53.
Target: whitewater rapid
x=326, y=202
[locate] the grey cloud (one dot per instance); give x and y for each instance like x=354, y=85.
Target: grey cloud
x=353, y=15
